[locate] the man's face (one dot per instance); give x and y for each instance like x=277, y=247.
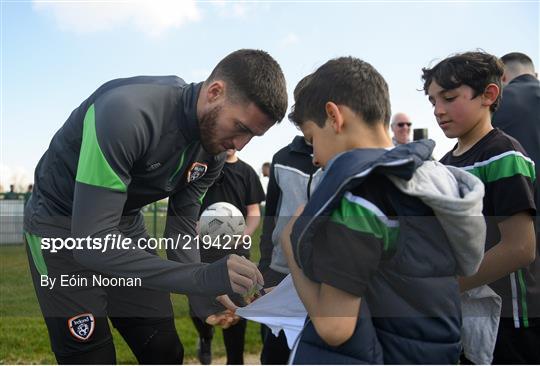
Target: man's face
x=323, y=142
x=231, y=125
x=456, y=111
x=402, y=129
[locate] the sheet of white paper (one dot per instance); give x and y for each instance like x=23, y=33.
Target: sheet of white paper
x=280, y=309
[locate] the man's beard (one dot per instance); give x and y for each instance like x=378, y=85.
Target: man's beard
x=208, y=131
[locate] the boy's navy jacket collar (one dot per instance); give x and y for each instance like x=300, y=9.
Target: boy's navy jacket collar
x=347, y=171
x=189, y=124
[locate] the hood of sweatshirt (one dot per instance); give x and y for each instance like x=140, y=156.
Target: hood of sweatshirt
x=456, y=198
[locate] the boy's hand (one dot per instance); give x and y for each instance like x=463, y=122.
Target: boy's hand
x=243, y=274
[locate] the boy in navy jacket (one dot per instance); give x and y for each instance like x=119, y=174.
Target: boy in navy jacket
x=375, y=253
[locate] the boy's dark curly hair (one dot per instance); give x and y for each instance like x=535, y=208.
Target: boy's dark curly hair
x=474, y=69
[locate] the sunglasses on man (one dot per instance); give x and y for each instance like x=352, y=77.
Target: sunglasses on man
x=402, y=124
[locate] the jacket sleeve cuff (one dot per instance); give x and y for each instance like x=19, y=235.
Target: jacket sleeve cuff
x=215, y=278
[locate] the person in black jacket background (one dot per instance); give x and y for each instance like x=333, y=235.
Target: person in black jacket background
x=519, y=116
x=519, y=112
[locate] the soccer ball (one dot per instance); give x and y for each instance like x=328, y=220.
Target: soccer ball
x=221, y=218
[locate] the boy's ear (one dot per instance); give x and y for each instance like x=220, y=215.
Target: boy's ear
x=334, y=116
x=491, y=93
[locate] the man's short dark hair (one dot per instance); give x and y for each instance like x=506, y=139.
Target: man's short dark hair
x=254, y=76
x=474, y=69
x=517, y=57
x=346, y=81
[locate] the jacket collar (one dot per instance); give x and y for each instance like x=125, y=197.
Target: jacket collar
x=348, y=170
x=299, y=145
x=522, y=78
x=189, y=123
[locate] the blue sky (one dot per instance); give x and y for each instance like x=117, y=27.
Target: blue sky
x=54, y=54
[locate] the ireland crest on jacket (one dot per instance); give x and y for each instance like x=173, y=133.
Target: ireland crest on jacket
x=82, y=326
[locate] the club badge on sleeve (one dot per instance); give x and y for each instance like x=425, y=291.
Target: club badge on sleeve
x=196, y=171
x=82, y=326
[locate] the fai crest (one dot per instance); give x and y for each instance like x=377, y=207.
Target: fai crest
x=196, y=171
x=82, y=326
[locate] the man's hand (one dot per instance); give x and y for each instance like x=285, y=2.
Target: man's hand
x=257, y=294
x=243, y=274
x=224, y=319
x=226, y=301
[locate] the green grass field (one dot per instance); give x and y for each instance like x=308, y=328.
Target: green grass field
x=23, y=335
